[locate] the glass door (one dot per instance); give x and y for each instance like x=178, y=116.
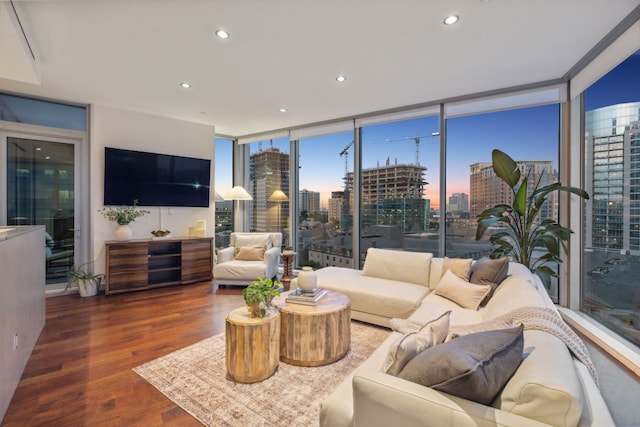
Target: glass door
x=41, y=187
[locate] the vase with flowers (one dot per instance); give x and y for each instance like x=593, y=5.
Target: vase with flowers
x=123, y=216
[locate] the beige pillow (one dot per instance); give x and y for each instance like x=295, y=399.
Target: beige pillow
x=461, y=267
x=461, y=292
x=408, y=346
x=250, y=254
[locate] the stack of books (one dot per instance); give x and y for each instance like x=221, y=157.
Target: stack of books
x=306, y=298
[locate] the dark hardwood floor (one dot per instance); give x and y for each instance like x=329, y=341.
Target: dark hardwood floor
x=80, y=373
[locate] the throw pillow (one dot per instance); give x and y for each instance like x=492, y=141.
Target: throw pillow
x=461, y=292
x=249, y=254
x=408, y=346
x=487, y=271
x=461, y=267
x=475, y=367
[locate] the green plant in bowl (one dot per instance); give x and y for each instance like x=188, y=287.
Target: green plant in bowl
x=258, y=296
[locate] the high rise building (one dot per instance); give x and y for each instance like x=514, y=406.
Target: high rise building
x=487, y=190
x=335, y=206
x=268, y=172
x=612, y=176
x=458, y=203
x=309, y=201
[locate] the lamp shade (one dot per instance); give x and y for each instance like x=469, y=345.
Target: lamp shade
x=278, y=196
x=237, y=193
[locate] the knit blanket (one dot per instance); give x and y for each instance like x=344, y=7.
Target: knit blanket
x=539, y=318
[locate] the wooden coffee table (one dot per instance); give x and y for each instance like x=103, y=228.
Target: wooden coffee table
x=314, y=335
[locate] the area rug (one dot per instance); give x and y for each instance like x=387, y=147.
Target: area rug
x=195, y=379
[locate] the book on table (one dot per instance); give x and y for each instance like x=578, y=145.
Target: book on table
x=308, y=298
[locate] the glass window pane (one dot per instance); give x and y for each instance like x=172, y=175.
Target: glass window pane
x=223, y=183
x=325, y=203
x=40, y=191
x=44, y=113
x=611, y=261
x=401, y=186
x=268, y=174
x=527, y=135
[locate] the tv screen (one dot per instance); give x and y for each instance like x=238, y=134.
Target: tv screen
x=155, y=179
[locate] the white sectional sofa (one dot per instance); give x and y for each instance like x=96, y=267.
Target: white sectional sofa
x=549, y=387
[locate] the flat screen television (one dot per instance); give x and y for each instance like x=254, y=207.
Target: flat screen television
x=155, y=179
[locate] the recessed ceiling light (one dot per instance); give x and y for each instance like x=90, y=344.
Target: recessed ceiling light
x=222, y=34
x=283, y=110
x=451, y=19
x=185, y=85
x=341, y=79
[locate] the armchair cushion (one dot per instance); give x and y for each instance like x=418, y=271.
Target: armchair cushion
x=253, y=241
x=246, y=253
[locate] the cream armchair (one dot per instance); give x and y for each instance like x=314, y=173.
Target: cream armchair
x=249, y=256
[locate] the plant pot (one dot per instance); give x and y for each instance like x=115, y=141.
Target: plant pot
x=255, y=309
x=307, y=279
x=123, y=232
x=88, y=288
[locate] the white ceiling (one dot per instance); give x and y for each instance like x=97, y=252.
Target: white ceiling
x=132, y=54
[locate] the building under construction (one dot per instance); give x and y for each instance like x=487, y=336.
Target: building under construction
x=392, y=195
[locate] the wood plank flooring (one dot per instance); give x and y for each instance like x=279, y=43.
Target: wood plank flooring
x=80, y=373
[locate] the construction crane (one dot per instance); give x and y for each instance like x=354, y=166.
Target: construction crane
x=345, y=153
x=416, y=139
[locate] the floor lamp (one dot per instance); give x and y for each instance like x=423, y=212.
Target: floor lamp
x=237, y=193
x=278, y=196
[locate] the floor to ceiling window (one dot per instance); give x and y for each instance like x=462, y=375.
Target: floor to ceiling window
x=223, y=183
x=611, y=261
x=325, y=202
x=400, y=194
x=269, y=186
x=530, y=136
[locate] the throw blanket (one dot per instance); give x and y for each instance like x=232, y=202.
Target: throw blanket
x=540, y=318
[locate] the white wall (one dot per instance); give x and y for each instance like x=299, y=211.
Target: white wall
x=111, y=127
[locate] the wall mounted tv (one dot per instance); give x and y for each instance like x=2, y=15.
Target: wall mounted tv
x=155, y=179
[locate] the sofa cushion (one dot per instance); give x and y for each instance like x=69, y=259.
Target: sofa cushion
x=409, y=345
x=382, y=297
x=461, y=267
x=487, y=271
x=237, y=270
x=517, y=290
x=474, y=366
x=546, y=386
x=246, y=253
x=399, y=266
x=460, y=291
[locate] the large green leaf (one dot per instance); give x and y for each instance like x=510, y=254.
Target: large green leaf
x=520, y=201
x=505, y=168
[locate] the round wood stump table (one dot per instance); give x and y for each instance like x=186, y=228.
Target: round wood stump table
x=314, y=335
x=252, y=345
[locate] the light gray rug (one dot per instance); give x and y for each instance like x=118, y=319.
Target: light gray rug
x=195, y=379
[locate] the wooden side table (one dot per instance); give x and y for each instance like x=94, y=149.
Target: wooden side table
x=314, y=335
x=287, y=268
x=252, y=345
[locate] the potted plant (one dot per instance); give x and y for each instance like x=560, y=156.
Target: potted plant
x=88, y=282
x=123, y=216
x=524, y=232
x=258, y=296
